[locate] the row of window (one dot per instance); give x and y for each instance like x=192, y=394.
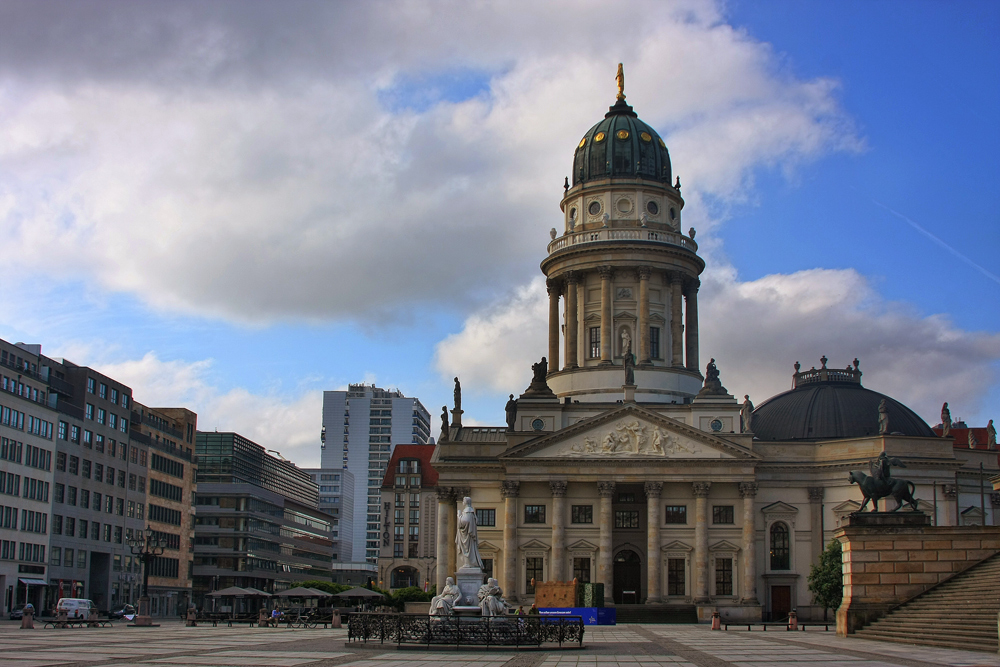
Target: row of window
x=167, y=466
x=164, y=515
x=34, y=457
x=24, y=422
x=595, y=342
x=164, y=490
x=13, y=386
x=31, y=522
x=96, y=442
x=583, y=514
x=103, y=392
x=24, y=551
x=33, y=489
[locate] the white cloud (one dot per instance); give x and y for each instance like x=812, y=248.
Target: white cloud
x=258, y=185
x=286, y=422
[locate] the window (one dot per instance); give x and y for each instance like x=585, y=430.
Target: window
x=86, y=469
x=415, y=516
x=722, y=514
x=57, y=521
x=55, y=555
x=95, y=530
x=60, y=461
x=626, y=519
x=119, y=506
x=485, y=517
x=91, y=385
x=68, y=558
x=104, y=391
x=723, y=576
x=397, y=550
x=99, y=442
x=110, y=479
x=581, y=570
x=780, y=553
x=63, y=427
x=121, y=478
x=534, y=513
x=654, y=342
x=82, y=526
x=88, y=439
x=74, y=434
x=595, y=342
x=582, y=514
x=84, y=498
x=114, y=395
x=102, y=416
x=98, y=472
x=532, y=570
x=676, y=514
x=97, y=505
x=70, y=527
x=675, y=576
x=60, y=492
x=74, y=465
x=89, y=411
x=71, y=496
x=414, y=533
x=398, y=533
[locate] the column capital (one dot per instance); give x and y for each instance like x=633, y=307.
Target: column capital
x=948, y=490
x=553, y=286
x=462, y=492
x=676, y=278
x=748, y=489
x=607, y=272
x=644, y=272
x=691, y=287
x=700, y=489
x=995, y=499
x=572, y=277
x=605, y=489
x=445, y=493
x=510, y=488
x=816, y=494
x=558, y=489
x=653, y=489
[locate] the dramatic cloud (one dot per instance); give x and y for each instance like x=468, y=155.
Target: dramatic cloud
x=256, y=164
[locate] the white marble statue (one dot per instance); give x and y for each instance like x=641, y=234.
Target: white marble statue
x=444, y=604
x=491, y=602
x=467, y=538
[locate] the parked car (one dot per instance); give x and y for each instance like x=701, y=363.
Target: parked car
x=16, y=613
x=121, y=611
x=75, y=607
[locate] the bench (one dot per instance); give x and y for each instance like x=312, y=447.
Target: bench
x=764, y=626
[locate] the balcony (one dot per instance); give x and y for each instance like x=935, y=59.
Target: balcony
x=605, y=234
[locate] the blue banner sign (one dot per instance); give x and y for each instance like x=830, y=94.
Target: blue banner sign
x=591, y=615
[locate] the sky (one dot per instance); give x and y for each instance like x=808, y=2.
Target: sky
x=233, y=206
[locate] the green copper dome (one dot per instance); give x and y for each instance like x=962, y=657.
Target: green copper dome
x=621, y=146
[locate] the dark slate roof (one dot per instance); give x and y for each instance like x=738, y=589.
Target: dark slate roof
x=621, y=146
x=831, y=410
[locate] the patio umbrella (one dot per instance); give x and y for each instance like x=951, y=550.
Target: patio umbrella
x=232, y=591
x=299, y=592
x=256, y=592
x=359, y=593
x=322, y=594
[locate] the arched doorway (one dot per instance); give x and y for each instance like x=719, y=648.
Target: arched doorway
x=628, y=578
x=402, y=577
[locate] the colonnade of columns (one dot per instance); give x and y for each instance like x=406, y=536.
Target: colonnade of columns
x=683, y=320
x=558, y=565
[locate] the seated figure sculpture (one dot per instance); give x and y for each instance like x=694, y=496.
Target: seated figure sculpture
x=491, y=602
x=443, y=604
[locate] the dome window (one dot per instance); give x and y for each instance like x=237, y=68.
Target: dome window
x=622, y=134
x=599, y=137
x=652, y=207
x=594, y=208
x=624, y=205
x=583, y=142
x=645, y=137
x=673, y=213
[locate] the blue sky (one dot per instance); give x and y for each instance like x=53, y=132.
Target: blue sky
x=234, y=208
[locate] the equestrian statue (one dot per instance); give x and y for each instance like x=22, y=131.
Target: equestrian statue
x=881, y=484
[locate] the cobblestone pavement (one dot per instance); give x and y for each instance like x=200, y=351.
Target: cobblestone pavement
x=620, y=646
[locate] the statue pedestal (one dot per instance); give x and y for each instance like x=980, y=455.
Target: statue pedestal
x=468, y=580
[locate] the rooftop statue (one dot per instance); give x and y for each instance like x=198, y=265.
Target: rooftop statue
x=883, y=418
x=444, y=423
x=458, y=395
x=945, y=420
x=713, y=385
x=746, y=413
x=511, y=410
x=620, y=78
x=629, y=362
x=881, y=484
x=991, y=435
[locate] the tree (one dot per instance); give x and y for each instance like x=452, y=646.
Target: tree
x=826, y=578
x=325, y=586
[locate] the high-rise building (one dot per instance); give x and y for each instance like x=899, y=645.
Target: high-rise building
x=257, y=524
x=360, y=427
x=336, y=498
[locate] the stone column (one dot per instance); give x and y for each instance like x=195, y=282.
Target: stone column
x=508, y=576
x=748, y=492
x=558, y=530
x=445, y=502
x=607, y=322
x=643, y=325
x=816, y=521
x=654, y=591
x=572, y=321
x=554, y=290
x=676, y=330
x=606, y=490
x=700, y=490
x=691, y=329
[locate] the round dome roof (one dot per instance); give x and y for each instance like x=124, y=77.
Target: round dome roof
x=828, y=404
x=621, y=146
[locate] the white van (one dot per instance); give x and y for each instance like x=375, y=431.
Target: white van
x=75, y=607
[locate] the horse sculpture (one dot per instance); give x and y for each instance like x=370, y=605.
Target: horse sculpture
x=874, y=490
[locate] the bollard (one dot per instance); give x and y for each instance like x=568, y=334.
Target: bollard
x=716, y=621
x=263, y=618
x=192, y=618
x=793, y=620
x=28, y=617
x=335, y=623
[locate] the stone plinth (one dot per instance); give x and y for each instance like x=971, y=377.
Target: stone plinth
x=556, y=594
x=468, y=580
x=890, y=557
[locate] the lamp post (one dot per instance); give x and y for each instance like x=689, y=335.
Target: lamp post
x=145, y=545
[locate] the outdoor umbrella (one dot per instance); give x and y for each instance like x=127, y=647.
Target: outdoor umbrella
x=231, y=592
x=256, y=592
x=322, y=594
x=359, y=593
x=299, y=592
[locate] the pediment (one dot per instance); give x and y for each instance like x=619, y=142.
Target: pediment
x=625, y=315
x=488, y=546
x=847, y=507
x=656, y=317
x=677, y=545
x=592, y=317
x=779, y=508
x=582, y=545
x=630, y=432
x=724, y=545
x=534, y=545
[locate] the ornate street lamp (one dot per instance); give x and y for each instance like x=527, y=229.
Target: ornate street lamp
x=145, y=546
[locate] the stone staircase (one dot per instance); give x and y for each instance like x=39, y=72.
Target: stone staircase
x=655, y=613
x=958, y=613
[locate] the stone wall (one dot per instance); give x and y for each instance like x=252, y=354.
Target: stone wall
x=891, y=557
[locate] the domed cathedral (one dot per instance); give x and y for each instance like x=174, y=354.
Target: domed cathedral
x=622, y=464
x=626, y=275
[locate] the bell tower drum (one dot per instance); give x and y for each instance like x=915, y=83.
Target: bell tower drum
x=622, y=276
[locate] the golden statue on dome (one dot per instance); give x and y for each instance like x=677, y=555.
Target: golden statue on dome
x=620, y=78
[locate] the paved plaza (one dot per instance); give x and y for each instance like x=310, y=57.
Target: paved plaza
x=621, y=646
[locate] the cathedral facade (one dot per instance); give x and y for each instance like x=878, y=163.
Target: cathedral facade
x=623, y=463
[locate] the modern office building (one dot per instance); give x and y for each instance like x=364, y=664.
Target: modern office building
x=336, y=498
x=169, y=435
x=360, y=426
x=257, y=522
x=27, y=452
x=409, y=504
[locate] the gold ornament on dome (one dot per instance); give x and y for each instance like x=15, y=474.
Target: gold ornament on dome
x=599, y=137
x=622, y=134
x=583, y=142
x=661, y=142
x=645, y=137
x=620, y=79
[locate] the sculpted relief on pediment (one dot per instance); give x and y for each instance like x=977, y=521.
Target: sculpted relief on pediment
x=630, y=438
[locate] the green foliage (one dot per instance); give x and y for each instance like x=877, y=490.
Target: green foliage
x=826, y=578
x=410, y=594
x=325, y=586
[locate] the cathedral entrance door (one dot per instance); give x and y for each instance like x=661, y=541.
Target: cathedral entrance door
x=781, y=602
x=628, y=578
